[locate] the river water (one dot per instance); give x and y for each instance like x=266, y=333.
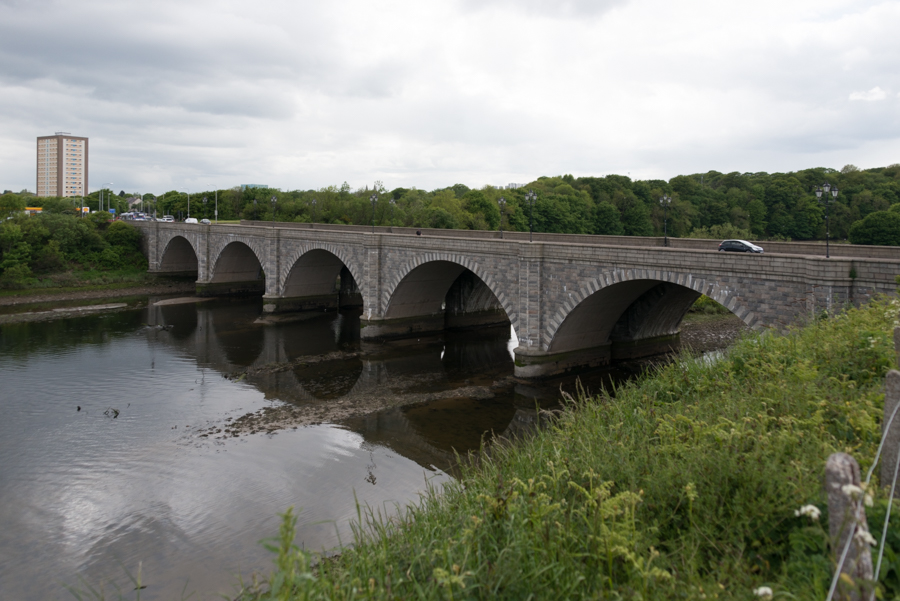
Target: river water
x=170, y=437
x=117, y=445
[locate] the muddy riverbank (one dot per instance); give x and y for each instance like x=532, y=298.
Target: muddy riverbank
x=40, y=298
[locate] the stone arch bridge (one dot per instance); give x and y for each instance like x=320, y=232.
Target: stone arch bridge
x=574, y=301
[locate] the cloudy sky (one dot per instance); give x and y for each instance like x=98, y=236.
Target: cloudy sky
x=298, y=94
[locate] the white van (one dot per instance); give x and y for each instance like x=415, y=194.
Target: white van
x=191, y=220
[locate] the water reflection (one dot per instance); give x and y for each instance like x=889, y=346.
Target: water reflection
x=85, y=494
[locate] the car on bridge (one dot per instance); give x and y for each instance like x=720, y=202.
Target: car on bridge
x=168, y=219
x=739, y=246
x=191, y=220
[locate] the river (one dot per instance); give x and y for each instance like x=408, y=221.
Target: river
x=170, y=437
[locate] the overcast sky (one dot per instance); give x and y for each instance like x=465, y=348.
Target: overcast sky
x=301, y=95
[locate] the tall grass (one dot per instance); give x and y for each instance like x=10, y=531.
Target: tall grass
x=681, y=486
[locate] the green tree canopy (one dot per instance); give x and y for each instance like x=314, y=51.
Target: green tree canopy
x=607, y=221
x=880, y=228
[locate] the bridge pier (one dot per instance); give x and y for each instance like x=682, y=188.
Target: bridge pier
x=317, y=302
x=533, y=363
x=237, y=288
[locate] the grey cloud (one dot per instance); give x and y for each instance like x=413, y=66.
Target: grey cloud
x=549, y=8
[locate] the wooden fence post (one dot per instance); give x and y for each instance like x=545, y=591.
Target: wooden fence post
x=846, y=519
x=892, y=435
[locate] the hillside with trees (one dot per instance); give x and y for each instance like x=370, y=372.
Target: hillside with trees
x=756, y=206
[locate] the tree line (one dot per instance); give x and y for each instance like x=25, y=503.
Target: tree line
x=757, y=206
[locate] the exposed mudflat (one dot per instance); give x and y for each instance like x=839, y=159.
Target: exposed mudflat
x=38, y=297
x=702, y=333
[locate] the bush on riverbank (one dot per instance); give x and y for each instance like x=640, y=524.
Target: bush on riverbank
x=682, y=486
x=56, y=250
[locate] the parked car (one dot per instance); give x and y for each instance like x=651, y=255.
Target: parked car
x=191, y=220
x=168, y=219
x=739, y=246
x=205, y=222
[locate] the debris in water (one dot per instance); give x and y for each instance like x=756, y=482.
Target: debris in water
x=78, y=408
x=111, y=412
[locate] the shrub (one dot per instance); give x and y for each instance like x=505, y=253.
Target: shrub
x=880, y=228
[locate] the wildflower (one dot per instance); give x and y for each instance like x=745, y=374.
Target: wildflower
x=763, y=591
x=852, y=491
x=864, y=537
x=811, y=511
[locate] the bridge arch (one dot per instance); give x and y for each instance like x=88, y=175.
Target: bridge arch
x=313, y=268
x=238, y=267
x=421, y=285
x=179, y=256
x=632, y=305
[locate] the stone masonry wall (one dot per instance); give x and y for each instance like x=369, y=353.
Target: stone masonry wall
x=538, y=284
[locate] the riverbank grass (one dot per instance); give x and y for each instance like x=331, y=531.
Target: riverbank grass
x=683, y=485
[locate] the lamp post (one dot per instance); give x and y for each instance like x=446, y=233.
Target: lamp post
x=314, y=202
x=502, y=203
x=255, y=212
x=274, y=199
x=217, y=204
x=374, y=199
x=204, y=204
x=665, y=201
x=393, y=204
x=188, y=192
x=826, y=188
x=100, y=209
x=530, y=197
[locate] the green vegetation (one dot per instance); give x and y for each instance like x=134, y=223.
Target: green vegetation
x=880, y=227
x=57, y=250
x=684, y=485
x=761, y=206
x=779, y=206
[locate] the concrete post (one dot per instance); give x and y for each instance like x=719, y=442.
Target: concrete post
x=846, y=519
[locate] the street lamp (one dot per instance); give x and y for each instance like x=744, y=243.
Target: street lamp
x=314, y=201
x=188, y=192
x=205, y=200
x=255, y=212
x=665, y=201
x=826, y=188
x=530, y=197
x=502, y=203
x=217, y=204
x=393, y=204
x=274, y=199
x=100, y=209
x=374, y=199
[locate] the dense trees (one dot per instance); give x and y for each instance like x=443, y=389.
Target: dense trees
x=51, y=243
x=753, y=205
x=880, y=227
x=749, y=205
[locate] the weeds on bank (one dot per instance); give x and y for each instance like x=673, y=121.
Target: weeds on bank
x=687, y=484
